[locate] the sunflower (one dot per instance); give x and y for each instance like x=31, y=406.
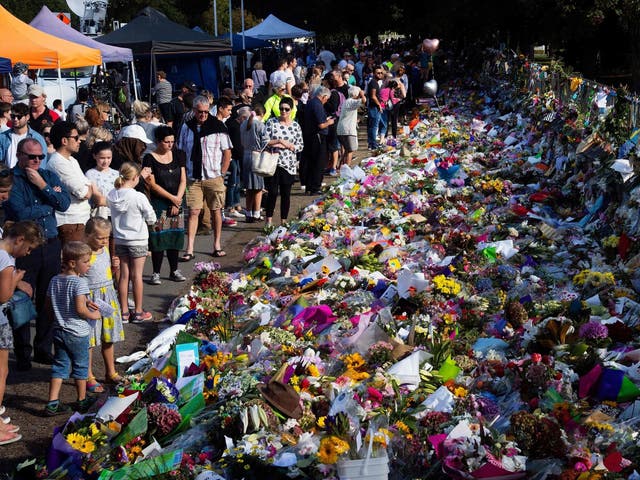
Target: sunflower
x=76, y=440
x=331, y=448
x=87, y=447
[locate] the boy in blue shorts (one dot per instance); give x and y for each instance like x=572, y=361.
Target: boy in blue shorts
x=71, y=311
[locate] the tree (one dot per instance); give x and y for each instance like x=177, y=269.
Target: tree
x=222, y=9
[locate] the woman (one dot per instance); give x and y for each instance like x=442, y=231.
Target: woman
x=251, y=136
x=5, y=115
x=167, y=184
x=347, y=129
x=391, y=96
x=46, y=133
x=259, y=77
x=285, y=136
x=144, y=115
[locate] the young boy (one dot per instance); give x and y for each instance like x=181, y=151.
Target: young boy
x=57, y=106
x=71, y=311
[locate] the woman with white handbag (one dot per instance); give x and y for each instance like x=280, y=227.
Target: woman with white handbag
x=284, y=136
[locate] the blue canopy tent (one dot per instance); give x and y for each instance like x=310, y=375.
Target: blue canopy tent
x=5, y=65
x=249, y=42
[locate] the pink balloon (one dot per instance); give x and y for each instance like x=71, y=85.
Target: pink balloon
x=430, y=45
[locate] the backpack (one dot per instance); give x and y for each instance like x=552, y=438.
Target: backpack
x=340, y=103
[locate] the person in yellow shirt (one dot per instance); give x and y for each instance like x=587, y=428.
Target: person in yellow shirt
x=272, y=105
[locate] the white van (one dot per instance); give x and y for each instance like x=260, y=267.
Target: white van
x=72, y=80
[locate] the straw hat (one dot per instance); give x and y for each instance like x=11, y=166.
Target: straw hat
x=283, y=397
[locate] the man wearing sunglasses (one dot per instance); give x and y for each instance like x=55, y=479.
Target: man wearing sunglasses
x=20, y=130
x=37, y=194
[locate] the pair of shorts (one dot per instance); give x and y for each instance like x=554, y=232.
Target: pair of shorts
x=132, y=251
x=349, y=142
x=212, y=191
x=70, y=356
x=6, y=337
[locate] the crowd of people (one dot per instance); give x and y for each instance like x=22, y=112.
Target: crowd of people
x=85, y=204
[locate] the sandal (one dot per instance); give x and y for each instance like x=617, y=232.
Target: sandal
x=9, y=438
x=187, y=257
x=94, y=386
x=219, y=253
x=116, y=379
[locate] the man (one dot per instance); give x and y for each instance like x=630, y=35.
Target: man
x=205, y=140
x=163, y=92
x=179, y=106
x=315, y=139
x=57, y=106
x=77, y=109
x=20, y=130
x=38, y=108
x=6, y=95
x=326, y=57
x=279, y=75
x=36, y=194
x=374, y=107
x=65, y=139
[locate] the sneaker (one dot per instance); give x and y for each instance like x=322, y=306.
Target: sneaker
x=155, y=279
x=333, y=173
x=177, y=276
x=57, y=408
x=139, y=317
x=83, y=406
x=235, y=213
x=229, y=222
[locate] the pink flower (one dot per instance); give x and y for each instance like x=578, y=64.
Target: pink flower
x=536, y=357
x=375, y=395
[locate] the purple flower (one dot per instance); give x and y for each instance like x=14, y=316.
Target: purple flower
x=594, y=331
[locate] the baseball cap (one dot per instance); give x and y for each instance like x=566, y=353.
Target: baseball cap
x=190, y=85
x=36, y=90
x=135, y=131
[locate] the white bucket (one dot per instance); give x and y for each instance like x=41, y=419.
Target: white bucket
x=366, y=469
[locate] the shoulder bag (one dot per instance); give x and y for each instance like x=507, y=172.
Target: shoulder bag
x=19, y=309
x=264, y=162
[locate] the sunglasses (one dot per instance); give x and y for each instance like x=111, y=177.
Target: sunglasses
x=75, y=137
x=46, y=134
x=285, y=109
x=33, y=156
x=17, y=116
x=202, y=112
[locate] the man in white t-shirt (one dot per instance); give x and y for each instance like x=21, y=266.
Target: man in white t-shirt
x=65, y=139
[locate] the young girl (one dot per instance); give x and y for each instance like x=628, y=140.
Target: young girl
x=19, y=239
x=102, y=174
x=130, y=214
x=104, y=177
x=72, y=313
x=108, y=330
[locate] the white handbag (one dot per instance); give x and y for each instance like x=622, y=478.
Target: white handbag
x=264, y=162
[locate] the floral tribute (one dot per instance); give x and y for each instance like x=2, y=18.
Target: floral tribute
x=462, y=305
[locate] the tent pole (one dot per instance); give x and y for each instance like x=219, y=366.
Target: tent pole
x=233, y=74
x=135, y=82
x=215, y=18
x=244, y=45
x=60, y=84
x=152, y=72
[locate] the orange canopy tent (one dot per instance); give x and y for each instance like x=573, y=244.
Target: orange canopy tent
x=23, y=43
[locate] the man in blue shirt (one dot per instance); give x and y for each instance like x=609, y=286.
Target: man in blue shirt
x=315, y=139
x=36, y=195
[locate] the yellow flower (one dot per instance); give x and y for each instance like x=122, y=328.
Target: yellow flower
x=320, y=421
x=331, y=448
x=395, y=264
x=460, y=392
x=76, y=440
x=87, y=447
x=402, y=427
x=353, y=360
x=313, y=370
